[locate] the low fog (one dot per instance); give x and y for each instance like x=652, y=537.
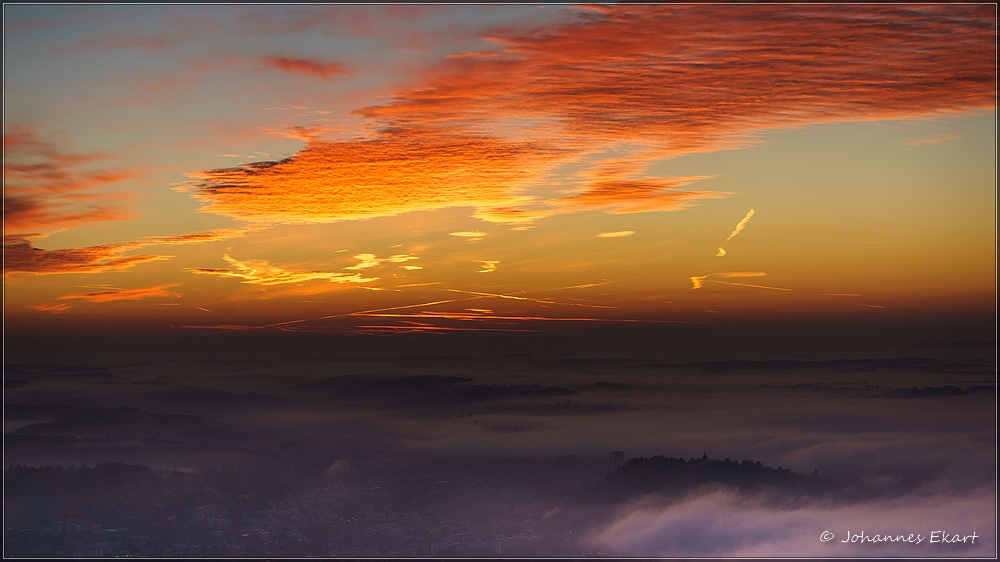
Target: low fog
x=502, y=448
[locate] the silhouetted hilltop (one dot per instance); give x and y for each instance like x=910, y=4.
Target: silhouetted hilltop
x=912, y=392
x=640, y=476
x=947, y=390
x=373, y=384
x=35, y=482
x=615, y=386
x=900, y=364
x=212, y=398
x=57, y=372
x=20, y=411
x=16, y=440
x=70, y=420
x=429, y=388
x=482, y=392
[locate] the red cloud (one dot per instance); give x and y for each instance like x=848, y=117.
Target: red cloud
x=309, y=67
x=690, y=76
x=637, y=196
x=649, y=81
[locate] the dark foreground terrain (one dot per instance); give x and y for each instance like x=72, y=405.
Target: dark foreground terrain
x=349, y=446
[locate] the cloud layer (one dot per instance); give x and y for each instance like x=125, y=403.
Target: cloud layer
x=47, y=188
x=652, y=81
x=689, y=76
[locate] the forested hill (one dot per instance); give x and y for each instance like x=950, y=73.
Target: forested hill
x=640, y=476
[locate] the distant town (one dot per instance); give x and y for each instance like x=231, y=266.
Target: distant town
x=361, y=507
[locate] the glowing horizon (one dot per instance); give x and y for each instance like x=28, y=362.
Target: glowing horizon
x=301, y=169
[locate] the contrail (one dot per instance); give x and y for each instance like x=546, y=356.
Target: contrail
x=754, y=286
x=741, y=225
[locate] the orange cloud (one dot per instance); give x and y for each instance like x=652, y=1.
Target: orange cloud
x=637, y=196
x=401, y=171
x=260, y=272
x=20, y=255
x=50, y=308
x=196, y=237
x=307, y=67
x=619, y=234
x=647, y=81
x=46, y=188
x=931, y=140
x=159, y=291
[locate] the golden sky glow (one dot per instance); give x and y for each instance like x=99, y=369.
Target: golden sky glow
x=592, y=156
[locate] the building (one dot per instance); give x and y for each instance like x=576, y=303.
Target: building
x=616, y=459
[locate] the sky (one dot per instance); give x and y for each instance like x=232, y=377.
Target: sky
x=408, y=168
x=757, y=231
